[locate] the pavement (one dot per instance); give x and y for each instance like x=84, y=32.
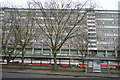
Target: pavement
x=75, y=74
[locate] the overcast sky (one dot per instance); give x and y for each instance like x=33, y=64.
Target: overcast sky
x=104, y=4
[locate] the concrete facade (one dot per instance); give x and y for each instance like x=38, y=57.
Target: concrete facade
x=102, y=28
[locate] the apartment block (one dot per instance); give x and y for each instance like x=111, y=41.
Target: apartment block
x=102, y=29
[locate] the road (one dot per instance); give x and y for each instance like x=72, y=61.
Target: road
x=12, y=76
x=26, y=75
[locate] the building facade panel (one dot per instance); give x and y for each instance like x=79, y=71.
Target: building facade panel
x=102, y=29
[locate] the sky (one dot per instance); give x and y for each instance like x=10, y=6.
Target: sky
x=102, y=4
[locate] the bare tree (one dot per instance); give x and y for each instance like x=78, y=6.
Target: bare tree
x=24, y=30
x=58, y=23
x=9, y=44
x=22, y=27
x=81, y=43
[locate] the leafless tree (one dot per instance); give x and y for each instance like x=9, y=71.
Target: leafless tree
x=9, y=44
x=24, y=30
x=81, y=43
x=58, y=23
x=22, y=27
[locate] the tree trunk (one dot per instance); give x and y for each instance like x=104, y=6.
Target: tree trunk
x=31, y=60
x=8, y=62
x=69, y=62
x=55, y=62
x=82, y=61
x=23, y=56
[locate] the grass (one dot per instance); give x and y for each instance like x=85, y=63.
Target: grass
x=115, y=72
x=42, y=67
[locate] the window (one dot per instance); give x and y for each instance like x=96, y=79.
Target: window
x=91, y=33
x=91, y=29
x=92, y=37
x=111, y=34
x=91, y=22
x=91, y=25
x=91, y=18
x=92, y=46
x=92, y=42
x=107, y=26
